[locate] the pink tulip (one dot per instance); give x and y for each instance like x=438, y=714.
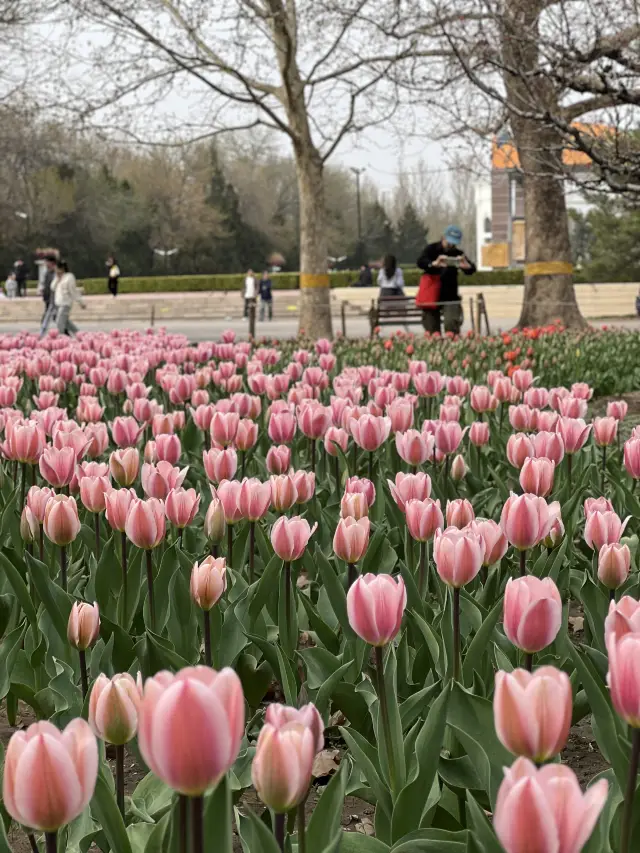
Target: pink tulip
x=362, y=485
x=224, y=426
x=526, y=520
x=617, y=409
x=126, y=432
x=502, y=388
x=601, y=504
x=545, y=810
x=58, y=466
x=614, y=564
x=458, y=469
x=459, y=513
x=247, y=435
x=413, y=447
x=522, y=379
x=308, y=715
x=181, y=507
x=97, y=439
x=532, y=613
x=582, y=390
x=314, y=420
x=449, y=412
x=208, y=581
x=519, y=448
x=49, y=775
x=283, y=492
x=37, y=499
x=161, y=424
x=351, y=539
x=400, y=412
x=522, y=417
x=282, y=427
x=495, y=542
x=458, y=385
x=190, y=727
x=354, y=505
x=409, y=487
x=458, y=555
x=83, y=627
x=603, y=528
x=117, y=503
x=375, y=606
x=632, y=457
x=93, y=492
x=27, y=442
x=622, y=678
x=623, y=618
x=282, y=765
x=548, y=445
x=532, y=712
x=574, y=433
x=479, y=433
x=61, y=523
x=146, y=523
x=254, y=499
x=29, y=526
x=278, y=459
x=124, y=466
x=290, y=536
x=74, y=438
x=605, y=431
x=228, y=492
x=202, y=417
x=537, y=398
x=220, y=464
x=428, y=384
x=536, y=476
x=158, y=480
x=168, y=449
x=370, y=432
x=423, y=518
x=572, y=407
x=305, y=483
x=482, y=400
x=448, y=436
x=113, y=708
x=335, y=436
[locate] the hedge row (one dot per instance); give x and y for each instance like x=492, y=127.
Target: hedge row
x=281, y=281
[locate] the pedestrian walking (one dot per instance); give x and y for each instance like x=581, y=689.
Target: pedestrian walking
x=113, y=275
x=22, y=274
x=266, y=296
x=66, y=294
x=249, y=292
x=49, y=311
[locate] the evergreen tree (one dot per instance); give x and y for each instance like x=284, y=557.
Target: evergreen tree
x=379, y=238
x=411, y=236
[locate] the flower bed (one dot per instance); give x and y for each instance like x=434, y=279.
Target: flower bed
x=278, y=573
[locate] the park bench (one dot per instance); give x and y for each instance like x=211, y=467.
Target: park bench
x=394, y=311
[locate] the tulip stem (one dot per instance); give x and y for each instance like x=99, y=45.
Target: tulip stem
x=229, y=546
x=214, y=551
x=456, y=634
x=23, y=484
x=569, y=467
x=371, y=465
x=252, y=548
x=604, y=468
x=120, y=778
x=123, y=544
x=384, y=714
x=354, y=458
x=336, y=467
x=528, y=662
x=352, y=574
x=612, y=595
x=422, y=564
x=287, y=602
x=96, y=521
x=197, y=835
x=32, y=842
x=523, y=563
x=312, y=454
x=41, y=543
x=183, y=817
x=278, y=829
x=33, y=475
x=302, y=830
x=243, y=458
x=627, y=816
x=84, y=680
x=63, y=567
x=152, y=603
x=51, y=842
x=206, y=621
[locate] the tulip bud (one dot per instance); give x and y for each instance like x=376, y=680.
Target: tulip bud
x=113, y=708
x=83, y=628
x=351, y=539
x=458, y=468
x=215, y=525
x=458, y=555
x=423, y=518
x=354, y=505
x=532, y=613
x=283, y=492
x=29, y=526
x=278, y=459
x=282, y=765
x=208, y=581
x=124, y=466
x=459, y=513
x=479, y=433
x=375, y=606
x=61, y=523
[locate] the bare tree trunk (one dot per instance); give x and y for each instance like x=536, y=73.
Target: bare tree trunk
x=315, y=296
x=548, y=290
x=548, y=284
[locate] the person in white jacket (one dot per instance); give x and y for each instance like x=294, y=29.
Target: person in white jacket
x=66, y=294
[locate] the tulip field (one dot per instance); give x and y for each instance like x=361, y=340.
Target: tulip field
x=247, y=588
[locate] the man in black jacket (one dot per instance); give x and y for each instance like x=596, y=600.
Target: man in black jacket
x=444, y=259
x=47, y=293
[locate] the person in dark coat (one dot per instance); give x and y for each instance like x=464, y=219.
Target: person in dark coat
x=113, y=276
x=22, y=274
x=444, y=259
x=266, y=296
